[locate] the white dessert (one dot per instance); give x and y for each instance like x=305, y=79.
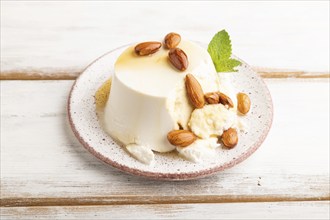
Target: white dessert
x=200, y=150
x=148, y=99
x=140, y=152
x=212, y=120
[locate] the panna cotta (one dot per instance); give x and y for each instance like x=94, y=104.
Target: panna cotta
x=148, y=99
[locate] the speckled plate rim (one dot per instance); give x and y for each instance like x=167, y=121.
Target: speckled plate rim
x=169, y=176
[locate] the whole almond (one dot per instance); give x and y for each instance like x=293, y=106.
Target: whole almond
x=212, y=97
x=229, y=138
x=147, y=48
x=243, y=103
x=172, y=40
x=178, y=58
x=194, y=91
x=181, y=138
x=225, y=100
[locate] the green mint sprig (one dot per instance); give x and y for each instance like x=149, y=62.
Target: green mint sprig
x=220, y=51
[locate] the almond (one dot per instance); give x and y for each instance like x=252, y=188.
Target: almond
x=229, y=138
x=243, y=103
x=225, y=100
x=172, y=40
x=194, y=91
x=181, y=138
x=212, y=98
x=178, y=58
x=147, y=48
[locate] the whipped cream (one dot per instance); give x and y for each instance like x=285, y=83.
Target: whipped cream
x=212, y=120
x=200, y=150
x=142, y=153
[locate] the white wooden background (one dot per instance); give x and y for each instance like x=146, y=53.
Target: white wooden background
x=61, y=37
x=46, y=173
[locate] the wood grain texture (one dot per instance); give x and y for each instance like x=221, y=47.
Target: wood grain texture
x=43, y=164
x=57, y=39
x=73, y=74
x=278, y=210
x=285, y=73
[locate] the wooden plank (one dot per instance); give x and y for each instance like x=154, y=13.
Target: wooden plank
x=277, y=210
x=43, y=164
x=57, y=39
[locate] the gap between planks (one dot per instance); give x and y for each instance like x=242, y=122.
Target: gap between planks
x=71, y=75
x=144, y=200
x=282, y=210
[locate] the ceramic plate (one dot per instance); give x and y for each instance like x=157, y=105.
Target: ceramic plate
x=87, y=128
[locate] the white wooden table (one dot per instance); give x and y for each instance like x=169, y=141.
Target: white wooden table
x=46, y=173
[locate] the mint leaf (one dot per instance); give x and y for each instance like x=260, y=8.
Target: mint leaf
x=220, y=51
x=226, y=65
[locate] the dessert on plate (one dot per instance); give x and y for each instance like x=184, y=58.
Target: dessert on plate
x=174, y=95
